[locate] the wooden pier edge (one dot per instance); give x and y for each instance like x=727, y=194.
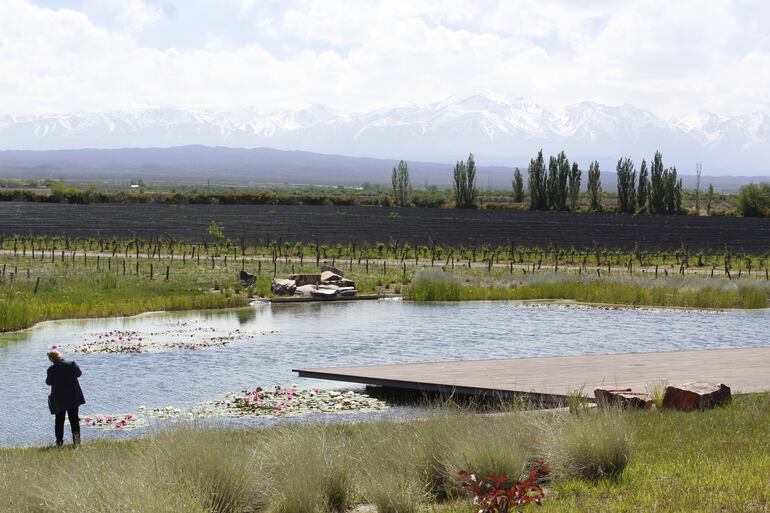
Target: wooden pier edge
x=549, y=379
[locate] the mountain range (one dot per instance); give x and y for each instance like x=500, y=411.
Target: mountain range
x=499, y=132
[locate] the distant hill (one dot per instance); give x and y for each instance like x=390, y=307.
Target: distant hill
x=237, y=166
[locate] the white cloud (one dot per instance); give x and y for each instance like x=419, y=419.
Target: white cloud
x=672, y=58
x=137, y=15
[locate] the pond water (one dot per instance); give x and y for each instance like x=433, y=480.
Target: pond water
x=276, y=338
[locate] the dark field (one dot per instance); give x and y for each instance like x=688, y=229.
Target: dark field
x=372, y=224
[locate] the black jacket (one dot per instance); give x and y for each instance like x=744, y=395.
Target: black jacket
x=65, y=389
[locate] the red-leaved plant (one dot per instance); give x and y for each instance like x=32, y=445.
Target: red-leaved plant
x=493, y=495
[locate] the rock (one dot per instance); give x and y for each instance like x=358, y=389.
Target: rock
x=330, y=277
x=246, y=278
x=347, y=291
x=332, y=269
x=623, y=397
x=305, y=290
x=306, y=279
x=696, y=396
x=283, y=287
x=324, y=293
x=344, y=282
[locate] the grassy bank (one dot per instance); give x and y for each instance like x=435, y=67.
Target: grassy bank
x=33, y=290
x=66, y=291
x=690, y=292
x=676, y=462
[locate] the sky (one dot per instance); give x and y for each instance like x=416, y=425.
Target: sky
x=673, y=58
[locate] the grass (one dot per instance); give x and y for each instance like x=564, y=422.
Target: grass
x=608, y=461
x=690, y=292
x=78, y=289
x=72, y=287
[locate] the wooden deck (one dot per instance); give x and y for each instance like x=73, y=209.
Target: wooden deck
x=550, y=379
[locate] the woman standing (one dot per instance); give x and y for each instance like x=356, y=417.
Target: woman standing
x=66, y=395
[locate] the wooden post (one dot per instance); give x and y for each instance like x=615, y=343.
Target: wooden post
x=37, y=284
x=167, y=271
x=151, y=270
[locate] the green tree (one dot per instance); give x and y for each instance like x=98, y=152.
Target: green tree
x=552, y=184
x=595, y=186
x=698, y=170
x=562, y=185
x=710, y=198
x=672, y=192
x=574, y=186
x=626, y=185
x=518, y=186
x=754, y=200
x=643, y=189
x=657, y=187
x=460, y=183
x=465, y=190
x=537, y=183
x=401, y=186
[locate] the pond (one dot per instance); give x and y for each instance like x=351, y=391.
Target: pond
x=270, y=340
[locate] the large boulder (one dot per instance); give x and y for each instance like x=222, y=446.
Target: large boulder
x=305, y=279
x=332, y=269
x=330, y=277
x=246, y=278
x=696, y=396
x=305, y=290
x=345, y=282
x=622, y=397
x=283, y=287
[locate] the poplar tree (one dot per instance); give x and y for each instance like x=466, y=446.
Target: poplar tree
x=643, y=190
x=626, y=185
x=518, y=186
x=657, y=187
x=537, y=183
x=574, y=186
x=595, y=186
x=465, y=190
x=401, y=186
x=562, y=185
x=552, y=184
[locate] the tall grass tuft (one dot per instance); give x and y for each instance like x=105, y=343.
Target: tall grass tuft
x=591, y=446
x=312, y=471
x=213, y=469
x=657, y=390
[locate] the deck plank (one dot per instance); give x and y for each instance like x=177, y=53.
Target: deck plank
x=744, y=370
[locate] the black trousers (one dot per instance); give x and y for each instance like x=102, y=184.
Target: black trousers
x=74, y=424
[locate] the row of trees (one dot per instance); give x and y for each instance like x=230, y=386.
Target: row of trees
x=656, y=190
x=558, y=188
x=464, y=186
x=661, y=193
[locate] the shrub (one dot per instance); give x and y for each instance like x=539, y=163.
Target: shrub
x=754, y=200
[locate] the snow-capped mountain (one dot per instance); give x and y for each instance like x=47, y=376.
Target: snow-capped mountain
x=501, y=131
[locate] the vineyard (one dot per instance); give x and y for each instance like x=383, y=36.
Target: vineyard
x=260, y=224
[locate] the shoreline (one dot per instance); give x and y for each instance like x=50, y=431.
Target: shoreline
x=253, y=301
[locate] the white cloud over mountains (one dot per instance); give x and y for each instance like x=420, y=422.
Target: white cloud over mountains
x=672, y=58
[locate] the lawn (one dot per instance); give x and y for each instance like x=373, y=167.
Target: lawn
x=714, y=461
